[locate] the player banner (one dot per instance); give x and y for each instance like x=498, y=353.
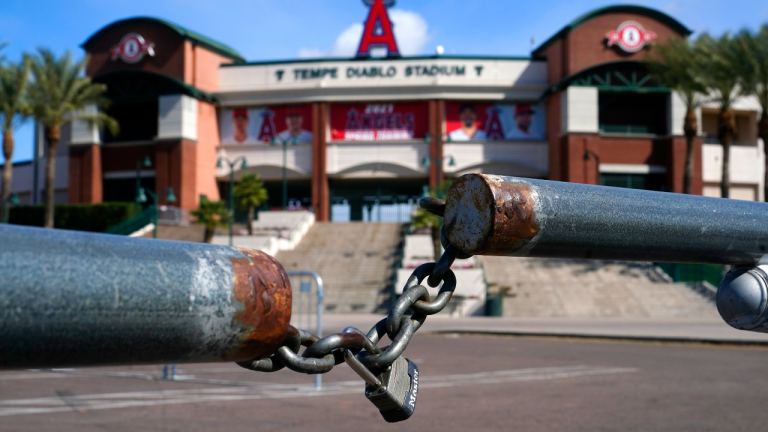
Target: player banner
x=379, y=122
x=477, y=121
x=259, y=125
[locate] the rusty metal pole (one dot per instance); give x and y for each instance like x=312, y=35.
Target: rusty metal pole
x=494, y=215
x=78, y=299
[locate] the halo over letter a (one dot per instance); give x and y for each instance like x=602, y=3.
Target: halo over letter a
x=378, y=32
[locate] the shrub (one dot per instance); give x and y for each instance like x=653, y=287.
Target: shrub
x=80, y=217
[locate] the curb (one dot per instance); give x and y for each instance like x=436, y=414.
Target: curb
x=655, y=339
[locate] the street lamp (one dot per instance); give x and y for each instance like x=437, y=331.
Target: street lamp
x=12, y=200
x=220, y=164
x=141, y=197
x=587, y=154
x=146, y=163
x=293, y=141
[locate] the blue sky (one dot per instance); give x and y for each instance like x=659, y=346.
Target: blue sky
x=285, y=29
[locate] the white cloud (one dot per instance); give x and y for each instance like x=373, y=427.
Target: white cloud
x=411, y=34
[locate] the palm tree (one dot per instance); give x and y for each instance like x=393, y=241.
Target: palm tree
x=212, y=215
x=423, y=219
x=754, y=48
x=678, y=66
x=59, y=94
x=723, y=82
x=14, y=108
x=249, y=194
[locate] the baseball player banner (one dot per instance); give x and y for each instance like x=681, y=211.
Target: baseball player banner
x=479, y=121
x=379, y=122
x=262, y=125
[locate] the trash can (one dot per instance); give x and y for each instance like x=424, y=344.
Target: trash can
x=494, y=305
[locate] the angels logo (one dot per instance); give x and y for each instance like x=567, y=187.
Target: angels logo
x=132, y=48
x=630, y=36
x=378, y=29
x=494, y=130
x=267, y=131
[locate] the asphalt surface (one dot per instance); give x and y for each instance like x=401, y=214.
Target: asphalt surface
x=467, y=383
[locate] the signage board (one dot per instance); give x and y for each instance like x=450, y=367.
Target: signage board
x=263, y=125
x=481, y=121
x=630, y=37
x=132, y=48
x=379, y=122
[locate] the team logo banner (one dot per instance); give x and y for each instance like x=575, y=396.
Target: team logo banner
x=262, y=125
x=468, y=121
x=378, y=122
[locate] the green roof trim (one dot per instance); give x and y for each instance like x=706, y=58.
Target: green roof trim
x=120, y=85
x=639, y=10
x=367, y=59
x=625, y=83
x=194, y=37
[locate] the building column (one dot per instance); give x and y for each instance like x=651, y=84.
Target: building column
x=676, y=165
x=175, y=166
x=320, y=189
x=85, y=176
x=435, y=129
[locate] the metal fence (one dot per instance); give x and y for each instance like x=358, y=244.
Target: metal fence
x=308, y=305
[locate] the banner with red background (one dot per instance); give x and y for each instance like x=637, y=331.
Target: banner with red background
x=379, y=122
x=259, y=125
x=479, y=121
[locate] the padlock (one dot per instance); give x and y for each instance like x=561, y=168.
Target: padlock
x=394, y=391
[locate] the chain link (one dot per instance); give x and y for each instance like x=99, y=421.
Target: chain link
x=322, y=354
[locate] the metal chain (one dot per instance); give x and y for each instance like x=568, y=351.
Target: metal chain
x=321, y=355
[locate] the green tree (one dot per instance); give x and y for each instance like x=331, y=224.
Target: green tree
x=14, y=108
x=754, y=47
x=720, y=76
x=678, y=65
x=212, y=215
x=422, y=219
x=59, y=93
x=249, y=194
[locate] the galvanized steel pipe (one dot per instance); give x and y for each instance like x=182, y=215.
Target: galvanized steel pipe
x=495, y=215
x=77, y=299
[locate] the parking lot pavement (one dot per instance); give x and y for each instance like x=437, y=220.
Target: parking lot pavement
x=467, y=383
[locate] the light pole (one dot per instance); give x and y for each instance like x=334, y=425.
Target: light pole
x=142, y=197
x=293, y=141
x=244, y=164
x=12, y=200
x=147, y=163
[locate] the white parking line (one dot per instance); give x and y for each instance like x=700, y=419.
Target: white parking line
x=80, y=403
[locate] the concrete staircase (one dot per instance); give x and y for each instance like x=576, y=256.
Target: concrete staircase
x=356, y=261
x=538, y=287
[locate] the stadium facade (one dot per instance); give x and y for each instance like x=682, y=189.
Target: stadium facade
x=581, y=108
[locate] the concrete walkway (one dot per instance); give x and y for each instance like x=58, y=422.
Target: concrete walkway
x=666, y=330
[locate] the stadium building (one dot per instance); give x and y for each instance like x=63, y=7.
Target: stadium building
x=379, y=128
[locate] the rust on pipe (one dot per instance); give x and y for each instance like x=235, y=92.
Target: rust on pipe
x=70, y=298
x=487, y=216
x=264, y=289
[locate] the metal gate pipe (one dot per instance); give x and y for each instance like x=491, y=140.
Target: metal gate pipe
x=79, y=299
x=495, y=215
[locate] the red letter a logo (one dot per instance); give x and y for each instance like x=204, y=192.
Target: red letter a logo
x=493, y=128
x=378, y=32
x=267, y=130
